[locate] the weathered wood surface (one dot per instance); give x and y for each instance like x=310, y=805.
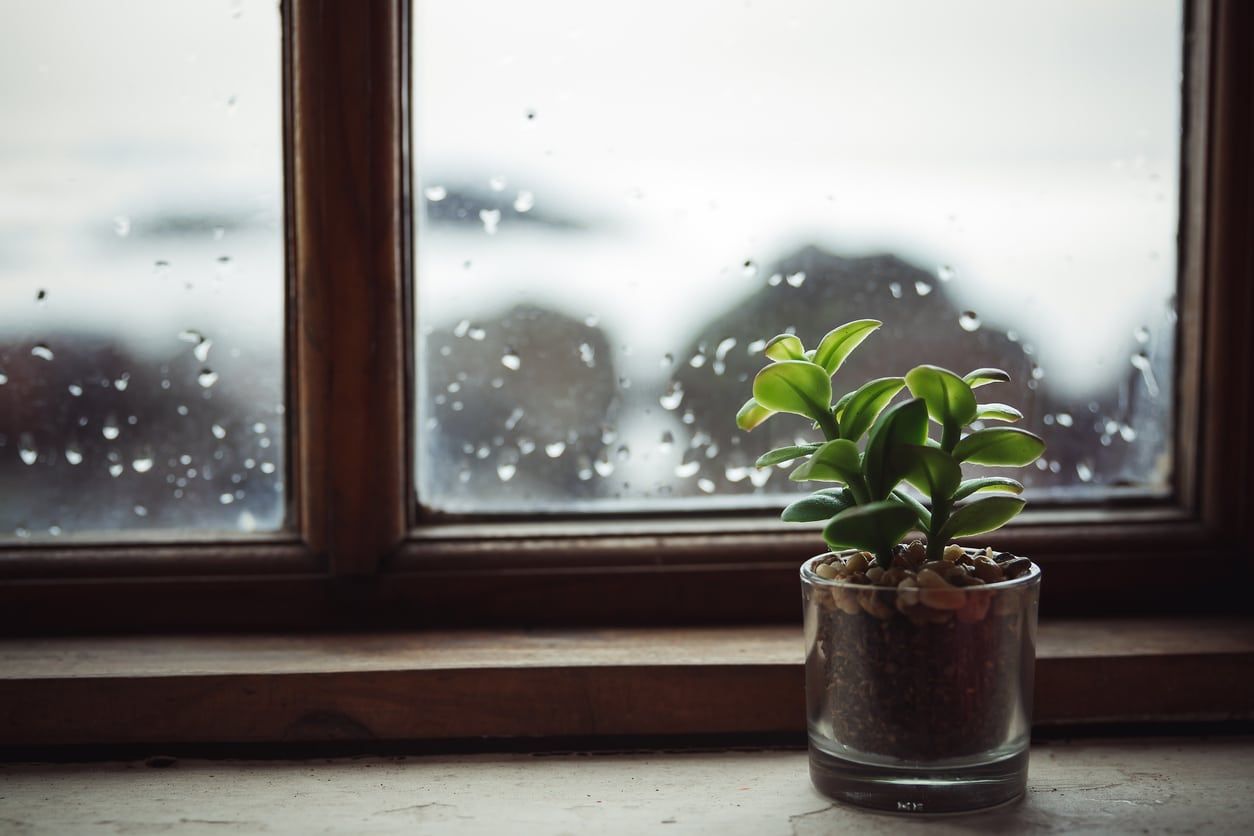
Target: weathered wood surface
x=450, y=685
x=1175, y=786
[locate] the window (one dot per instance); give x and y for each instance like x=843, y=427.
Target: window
x=615, y=207
x=141, y=329
x=343, y=363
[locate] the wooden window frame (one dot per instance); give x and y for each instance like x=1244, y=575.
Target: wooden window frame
x=357, y=553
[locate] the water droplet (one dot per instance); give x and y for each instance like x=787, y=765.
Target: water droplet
x=895, y=289
x=688, y=417
x=796, y=279
x=775, y=279
x=720, y=354
x=201, y=350
x=122, y=382
x=1127, y=432
x=41, y=295
x=121, y=226
x=141, y=511
x=267, y=467
x=759, y=478
x=603, y=466
x=514, y=418
x=506, y=470
x=4, y=378
x=592, y=320
x=667, y=442
x=1065, y=419
x=116, y=469
x=673, y=396
x=259, y=427
x=1141, y=362
x=110, y=429
x=26, y=449
x=42, y=352
x=54, y=530
x=462, y=328
x=969, y=321
x=232, y=103
x=555, y=449
x=226, y=498
x=511, y=360
x=477, y=334
x=736, y=473
x=945, y=273
x=750, y=269
x=1084, y=471
x=142, y=463
x=524, y=202
x=698, y=359
x=182, y=409
x=587, y=355
x=1142, y=335
x=922, y=288
x=530, y=114
x=189, y=335
x=705, y=485
x=207, y=378
x=73, y=455
x=435, y=193
x=497, y=183
x=687, y=469
x=526, y=446
x=490, y=218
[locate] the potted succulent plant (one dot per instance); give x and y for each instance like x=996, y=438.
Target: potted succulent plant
x=919, y=655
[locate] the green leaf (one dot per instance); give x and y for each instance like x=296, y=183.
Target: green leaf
x=752, y=414
x=865, y=404
x=987, y=483
x=934, y=472
x=949, y=399
x=835, y=461
x=921, y=513
x=1000, y=446
x=998, y=412
x=840, y=342
x=904, y=423
x=876, y=527
x=817, y=506
x=785, y=454
x=981, y=515
x=785, y=347
x=983, y=377
x=795, y=386
x=839, y=408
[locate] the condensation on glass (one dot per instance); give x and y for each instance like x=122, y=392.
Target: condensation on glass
x=616, y=205
x=141, y=272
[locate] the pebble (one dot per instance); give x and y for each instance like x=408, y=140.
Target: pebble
x=857, y=562
x=1016, y=567
x=988, y=571
x=953, y=552
x=825, y=570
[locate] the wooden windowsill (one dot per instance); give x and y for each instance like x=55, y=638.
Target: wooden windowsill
x=507, y=684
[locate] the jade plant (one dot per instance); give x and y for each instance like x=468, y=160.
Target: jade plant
x=868, y=506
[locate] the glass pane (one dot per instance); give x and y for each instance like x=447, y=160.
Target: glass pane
x=618, y=204
x=141, y=267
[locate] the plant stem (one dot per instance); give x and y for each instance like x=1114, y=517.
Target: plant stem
x=951, y=434
x=828, y=425
x=940, y=515
x=884, y=557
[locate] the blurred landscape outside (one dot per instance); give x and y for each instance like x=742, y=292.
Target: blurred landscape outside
x=616, y=207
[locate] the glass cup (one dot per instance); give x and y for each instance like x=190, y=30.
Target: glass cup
x=919, y=700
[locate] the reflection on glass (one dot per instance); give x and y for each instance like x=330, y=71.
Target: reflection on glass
x=616, y=205
x=140, y=267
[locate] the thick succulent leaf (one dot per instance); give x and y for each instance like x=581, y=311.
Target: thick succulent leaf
x=785, y=454
x=865, y=404
x=817, y=506
x=752, y=414
x=998, y=412
x=901, y=424
x=934, y=472
x=981, y=515
x=983, y=377
x=988, y=483
x=1000, y=447
x=839, y=408
x=921, y=513
x=949, y=399
x=795, y=386
x=877, y=526
x=840, y=342
x=785, y=347
x=835, y=461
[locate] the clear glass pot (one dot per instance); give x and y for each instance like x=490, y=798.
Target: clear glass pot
x=919, y=695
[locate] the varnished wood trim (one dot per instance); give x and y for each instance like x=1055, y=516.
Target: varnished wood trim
x=348, y=307
x=452, y=686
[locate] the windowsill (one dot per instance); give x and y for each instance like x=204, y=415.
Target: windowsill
x=647, y=682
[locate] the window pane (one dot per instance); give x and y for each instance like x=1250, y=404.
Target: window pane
x=617, y=205
x=141, y=267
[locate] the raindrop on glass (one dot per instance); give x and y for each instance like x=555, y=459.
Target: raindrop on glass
x=555, y=449
x=226, y=498
x=668, y=441
x=435, y=193
x=687, y=469
x=141, y=511
x=524, y=202
x=73, y=455
x=110, y=429
x=497, y=183
x=673, y=396
x=491, y=218
x=514, y=417
x=1141, y=362
x=749, y=268
x=603, y=466
x=42, y=352
x=207, y=378
x=201, y=350
x=706, y=485
x=895, y=289
x=506, y=470
x=121, y=226
x=945, y=273
x=922, y=288
x=969, y=321
x=587, y=355
x=26, y=449
x=142, y=464
x=1142, y=335
x=511, y=360
x=116, y=470
x=796, y=279
x=1084, y=472
x=1064, y=419
x=775, y=279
